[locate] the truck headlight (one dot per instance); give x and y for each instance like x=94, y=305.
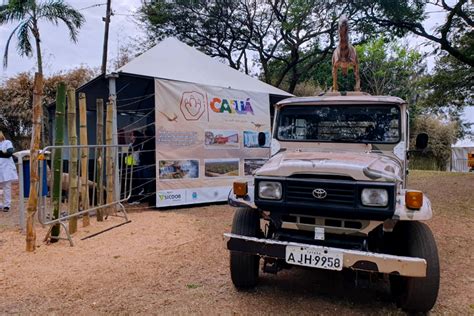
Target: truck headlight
x=269, y=190
x=374, y=197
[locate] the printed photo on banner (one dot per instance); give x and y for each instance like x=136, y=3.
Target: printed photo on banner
x=221, y=167
x=178, y=169
x=250, y=165
x=251, y=139
x=219, y=139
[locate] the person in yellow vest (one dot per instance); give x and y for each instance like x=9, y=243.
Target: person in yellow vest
x=8, y=171
x=134, y=159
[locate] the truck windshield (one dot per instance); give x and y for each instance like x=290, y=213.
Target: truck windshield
x=340, y=123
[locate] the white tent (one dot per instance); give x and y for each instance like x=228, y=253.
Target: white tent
x=184, y=97
x=174, y=60
x=459, y=153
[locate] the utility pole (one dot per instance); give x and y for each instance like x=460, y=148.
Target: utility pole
x=106, y=36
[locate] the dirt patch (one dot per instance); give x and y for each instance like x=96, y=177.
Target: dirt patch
x=176, y=262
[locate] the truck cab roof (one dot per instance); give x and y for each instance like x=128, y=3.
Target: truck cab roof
x=344, y=98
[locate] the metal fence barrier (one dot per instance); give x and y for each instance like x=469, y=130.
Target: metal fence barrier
x=122, y=175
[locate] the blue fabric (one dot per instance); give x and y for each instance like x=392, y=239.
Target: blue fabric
x=26, y=179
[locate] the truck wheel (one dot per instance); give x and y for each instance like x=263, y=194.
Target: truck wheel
x=414, y=239
x=244, y=267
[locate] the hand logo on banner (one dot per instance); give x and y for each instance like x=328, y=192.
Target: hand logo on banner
x=192, y=105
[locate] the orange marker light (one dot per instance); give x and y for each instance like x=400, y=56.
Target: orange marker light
x=414, y=199
x=240, y=189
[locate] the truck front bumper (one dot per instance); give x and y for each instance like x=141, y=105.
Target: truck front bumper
x=352, y=259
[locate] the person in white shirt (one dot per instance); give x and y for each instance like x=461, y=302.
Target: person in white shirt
x=8, y=171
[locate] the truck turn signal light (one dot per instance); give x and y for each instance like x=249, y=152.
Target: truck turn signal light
x=240, y=189
x=414, y=199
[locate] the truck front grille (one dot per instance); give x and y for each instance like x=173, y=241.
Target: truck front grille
x=341, y=200
x=337, y=193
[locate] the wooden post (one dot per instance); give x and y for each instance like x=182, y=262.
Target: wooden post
x=58, y=159
x=109, y=156
x=34, y=148
x=100, y=158
x=84, y=158
x=73, y=160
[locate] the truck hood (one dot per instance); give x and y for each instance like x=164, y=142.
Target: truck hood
x=359, y=166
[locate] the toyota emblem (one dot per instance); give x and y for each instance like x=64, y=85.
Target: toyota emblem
x=319, y=193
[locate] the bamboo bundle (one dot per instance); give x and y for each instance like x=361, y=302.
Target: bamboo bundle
x=34, y=148
x=99, y=157
x=109, y=156
x=84, y=158
x=73, y=160
x=58, y=155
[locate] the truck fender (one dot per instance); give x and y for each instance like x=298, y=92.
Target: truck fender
x=246, y=201
x=403, y=213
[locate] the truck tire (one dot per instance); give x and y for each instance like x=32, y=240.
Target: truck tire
x=414, y=239
x=244, y=267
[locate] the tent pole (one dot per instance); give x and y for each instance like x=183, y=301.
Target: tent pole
x=113, y=99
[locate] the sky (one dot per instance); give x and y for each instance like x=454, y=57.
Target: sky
x=59, y=53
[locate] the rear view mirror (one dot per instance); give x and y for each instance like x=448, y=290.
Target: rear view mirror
x=262, y=139
x=421, y=141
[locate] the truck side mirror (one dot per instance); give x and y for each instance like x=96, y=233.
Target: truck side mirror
x=262, y=139
x=421, y=141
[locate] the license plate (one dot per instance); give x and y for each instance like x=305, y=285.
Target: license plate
x=315, y=257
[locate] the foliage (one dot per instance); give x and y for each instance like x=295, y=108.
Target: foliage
x=441, y=136
x=16, y=95
x=389, y=69
x=450, y=87
x=402, y=16
x=386, y=68
x=286, y=39
x=28, y=13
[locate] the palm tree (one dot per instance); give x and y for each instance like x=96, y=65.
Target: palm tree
x=28, y=13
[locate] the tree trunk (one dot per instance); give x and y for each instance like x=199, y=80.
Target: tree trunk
x=109, y=156
x=99, y=157
x=73, y=160
x=39, y=57
x=35, y=143
x=84, y=158
x=293, y=80
x=57, y=154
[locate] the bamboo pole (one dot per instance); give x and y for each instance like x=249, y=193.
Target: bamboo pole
x=34, y=148
x=100, y=170
x=109, y=156
x=73, y=159
x=58, y=157
x=84, y=158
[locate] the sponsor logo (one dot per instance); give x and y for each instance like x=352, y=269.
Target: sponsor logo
x=231, y=106
x=194, y=195
x=192, y=105
x=170, y=196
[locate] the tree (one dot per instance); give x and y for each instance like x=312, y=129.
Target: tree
x=449, y=88
x=408, y=15
x=16, y=95
x=28, y=13
x=441, y=136
x=285, y=39
x=216, y=28
x=390, y=69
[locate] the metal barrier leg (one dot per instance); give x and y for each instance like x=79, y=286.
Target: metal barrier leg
x=68, y=236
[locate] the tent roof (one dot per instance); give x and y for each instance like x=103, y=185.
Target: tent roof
x=174, y=60
x=463, y=143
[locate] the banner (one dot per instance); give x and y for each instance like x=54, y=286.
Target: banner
x=206, y=138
